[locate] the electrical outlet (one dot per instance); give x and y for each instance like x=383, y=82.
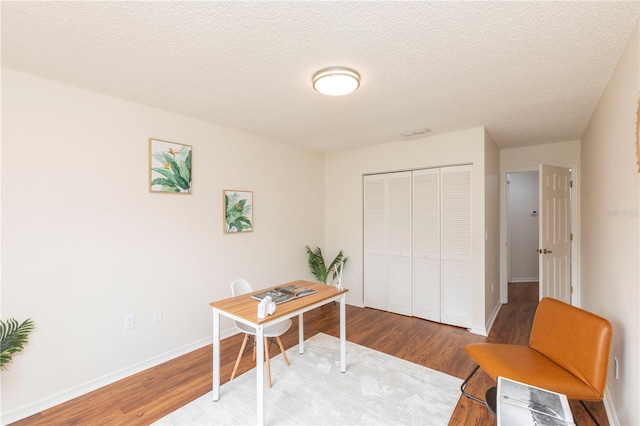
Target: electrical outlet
x=616, y=368
x=157, y=314
x=129, y=321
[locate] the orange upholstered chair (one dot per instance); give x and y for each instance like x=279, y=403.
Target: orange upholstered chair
x=568, y=352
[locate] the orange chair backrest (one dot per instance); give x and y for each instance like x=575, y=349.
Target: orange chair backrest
x=577, y=340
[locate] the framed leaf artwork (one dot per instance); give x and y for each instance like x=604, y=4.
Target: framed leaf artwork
x=169, y=167
x=238, y=211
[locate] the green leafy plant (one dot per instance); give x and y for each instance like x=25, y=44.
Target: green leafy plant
x=237, y=213
x=176, y=170
x=13, y=337
x=319, y=268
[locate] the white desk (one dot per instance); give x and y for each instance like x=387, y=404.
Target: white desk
x=245, y=310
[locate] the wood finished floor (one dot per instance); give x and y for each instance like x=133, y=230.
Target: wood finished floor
x=148, y=396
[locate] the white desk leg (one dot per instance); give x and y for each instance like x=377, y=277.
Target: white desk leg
x=260, y=373
x=343, y=336
x=216, y=355
x=300, y=334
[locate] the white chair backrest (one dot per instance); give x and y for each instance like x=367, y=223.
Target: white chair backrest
x=240, y=286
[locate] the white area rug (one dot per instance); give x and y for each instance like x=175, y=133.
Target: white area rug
x=377, y=389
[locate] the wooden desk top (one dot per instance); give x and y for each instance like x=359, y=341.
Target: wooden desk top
x=245, y=307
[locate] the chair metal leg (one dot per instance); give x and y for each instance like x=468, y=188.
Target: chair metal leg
x=590, y=413
x=235, y=367
x=464, y=384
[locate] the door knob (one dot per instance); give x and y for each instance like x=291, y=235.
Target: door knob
x=545, y=251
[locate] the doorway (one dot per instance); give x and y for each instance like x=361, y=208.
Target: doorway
x=557, y=271
x=522, y=226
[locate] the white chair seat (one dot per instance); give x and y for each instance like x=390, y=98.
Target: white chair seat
x=271, y=331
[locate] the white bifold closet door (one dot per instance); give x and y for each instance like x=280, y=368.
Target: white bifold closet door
x=417, y=243
x=387, y=242
x=375, y=242
x=426, y=244
x=456, y=258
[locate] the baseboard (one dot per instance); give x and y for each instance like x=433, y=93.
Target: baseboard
x=612, y=416
x=493, y=316
x=42, y=404
x=525, y=280
x=479, y=330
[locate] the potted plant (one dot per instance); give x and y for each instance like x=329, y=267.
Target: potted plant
x=319, y=269
x=13, y=337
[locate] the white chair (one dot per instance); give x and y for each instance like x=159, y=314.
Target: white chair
x=242, y=286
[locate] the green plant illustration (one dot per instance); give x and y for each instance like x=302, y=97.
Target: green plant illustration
x=175, y=170
x=319, y=268
x=13, y=337
x=237, y=212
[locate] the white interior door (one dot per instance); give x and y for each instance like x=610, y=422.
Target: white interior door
x=375, y=241
x=456, y=252
x=426, y=244
x=399, y=242
x=555, y=233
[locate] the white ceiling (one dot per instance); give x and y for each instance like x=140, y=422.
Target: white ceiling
x=531, y=72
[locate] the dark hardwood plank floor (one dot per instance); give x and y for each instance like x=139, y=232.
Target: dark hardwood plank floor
x=148, y=396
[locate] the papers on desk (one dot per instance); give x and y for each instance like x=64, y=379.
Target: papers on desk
x=284, y=294
x=523, y=404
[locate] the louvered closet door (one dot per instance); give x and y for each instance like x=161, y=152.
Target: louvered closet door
x=375, y=242
x=399, y=242
x=456, y=246
x=426, y=244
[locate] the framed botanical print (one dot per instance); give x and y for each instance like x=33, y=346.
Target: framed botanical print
x=169, y=167
x=238, y=211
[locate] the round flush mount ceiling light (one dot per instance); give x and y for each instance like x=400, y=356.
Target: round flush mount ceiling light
x=336, y=81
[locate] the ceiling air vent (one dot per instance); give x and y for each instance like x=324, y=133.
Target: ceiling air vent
x=415, y=132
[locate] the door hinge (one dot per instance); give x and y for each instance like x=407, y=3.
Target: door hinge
x=571, y=288
x=570, y=184
x=571, y=236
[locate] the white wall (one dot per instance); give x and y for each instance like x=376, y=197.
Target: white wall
x=84, y=242
x=565, y=154
x=343, y=216
x=492, y=227
x=522, y=199
x=609, y=214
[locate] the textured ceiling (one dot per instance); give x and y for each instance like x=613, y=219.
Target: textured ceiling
x=531, y=72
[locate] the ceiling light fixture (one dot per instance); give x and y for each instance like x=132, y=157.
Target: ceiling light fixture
x=336, y=81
